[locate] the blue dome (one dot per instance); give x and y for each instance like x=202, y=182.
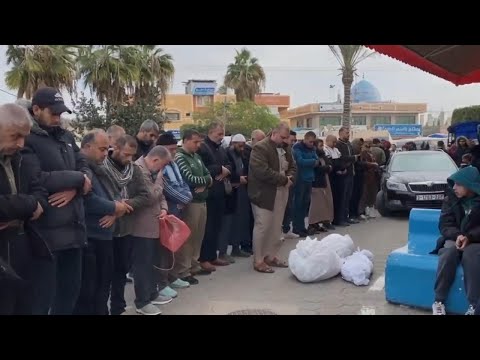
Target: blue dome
x=364, y=91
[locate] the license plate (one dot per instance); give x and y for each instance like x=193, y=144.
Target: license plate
x=430, y=197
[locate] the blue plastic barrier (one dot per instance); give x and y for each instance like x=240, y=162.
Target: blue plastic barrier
x=410, y=271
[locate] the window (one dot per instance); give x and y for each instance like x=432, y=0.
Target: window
x=188, y=114
x=417, y=161
x=405, y=119
x=330, y=120
x=173, y=116
x=309, y=123
x=203, y=100
x=385, y=119
x=359, y=120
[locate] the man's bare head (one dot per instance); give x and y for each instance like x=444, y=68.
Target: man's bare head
x=15, y=124
x=257, y=135
x=280, y=133
x=114, y=132
x=95, y=145
x=344, y=133
x=331, y=141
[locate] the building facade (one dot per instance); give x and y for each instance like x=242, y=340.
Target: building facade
x=199, y=94
x=367, y=107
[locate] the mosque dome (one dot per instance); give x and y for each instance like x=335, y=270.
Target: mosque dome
x=365, y=91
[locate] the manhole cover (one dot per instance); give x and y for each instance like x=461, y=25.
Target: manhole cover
x=253, y=312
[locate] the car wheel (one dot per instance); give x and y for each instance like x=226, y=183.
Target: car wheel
x=381, y=206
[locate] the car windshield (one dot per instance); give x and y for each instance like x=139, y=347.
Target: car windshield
x=419, y=161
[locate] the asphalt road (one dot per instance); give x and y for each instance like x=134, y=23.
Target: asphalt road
x=238, y=287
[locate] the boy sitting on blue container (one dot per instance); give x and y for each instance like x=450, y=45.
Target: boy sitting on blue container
x=460, y=240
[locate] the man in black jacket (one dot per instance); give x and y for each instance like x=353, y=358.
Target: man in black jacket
x=216, y=161
x=66, y=177
x=21, y=199
x=460, y=240
x=103, y=205
x=346, y=182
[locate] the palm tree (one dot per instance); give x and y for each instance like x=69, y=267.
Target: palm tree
x=105, y=70
x=245, y=76
x=35, y=66
x=155, y=69
x=114, y=71
x=349, y=56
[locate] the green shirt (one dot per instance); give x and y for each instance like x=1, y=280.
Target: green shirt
x=194, y=173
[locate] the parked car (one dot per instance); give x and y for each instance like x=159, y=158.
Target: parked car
x=414, y=179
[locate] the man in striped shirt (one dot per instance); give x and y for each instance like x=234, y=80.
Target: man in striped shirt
x=198, y=178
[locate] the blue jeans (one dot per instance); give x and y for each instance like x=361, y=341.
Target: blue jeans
x=303, y=191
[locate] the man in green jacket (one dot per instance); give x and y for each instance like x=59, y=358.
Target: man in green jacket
x=197, y=176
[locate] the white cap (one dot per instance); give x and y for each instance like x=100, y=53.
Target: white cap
x=239, y=138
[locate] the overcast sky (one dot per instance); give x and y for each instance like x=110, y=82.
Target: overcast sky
x=305, y=72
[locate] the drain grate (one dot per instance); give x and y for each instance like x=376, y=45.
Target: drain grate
x=253, y=312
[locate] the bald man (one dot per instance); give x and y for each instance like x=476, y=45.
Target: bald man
x=21, y=204
x=103, y=206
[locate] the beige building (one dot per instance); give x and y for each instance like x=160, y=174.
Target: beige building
x=314, y=116
x=368, y=110
x=199, y=94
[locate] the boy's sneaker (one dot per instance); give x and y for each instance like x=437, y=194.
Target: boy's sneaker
x=438, y=308
x=149, y=309
x=470, y=311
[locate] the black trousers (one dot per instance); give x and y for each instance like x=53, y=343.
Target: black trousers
x=15, y=295
x=448, y=262
x=122, y=262
x=56, y=284
x=96, y=278
x=357, y=192
x=342, y=197
x=288, y=216
x=148, y=260
x=215, y=209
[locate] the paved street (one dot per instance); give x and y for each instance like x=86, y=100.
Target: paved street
x=239, y=287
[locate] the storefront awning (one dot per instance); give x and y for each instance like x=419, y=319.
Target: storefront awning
x=459, y=64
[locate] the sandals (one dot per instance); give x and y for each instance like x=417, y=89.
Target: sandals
x=276, y=262
x=263, y=268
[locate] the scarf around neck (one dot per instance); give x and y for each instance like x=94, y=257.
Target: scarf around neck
x=121, y=177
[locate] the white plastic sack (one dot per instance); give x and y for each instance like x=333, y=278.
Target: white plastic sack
x=311, y=262
x=358, y=267
x=342, y=245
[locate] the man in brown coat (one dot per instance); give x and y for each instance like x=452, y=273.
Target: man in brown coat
x=272, y=173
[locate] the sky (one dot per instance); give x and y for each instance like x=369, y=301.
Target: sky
x=305, y=72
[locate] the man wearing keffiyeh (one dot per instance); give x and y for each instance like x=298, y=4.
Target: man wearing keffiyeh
x=132, y=187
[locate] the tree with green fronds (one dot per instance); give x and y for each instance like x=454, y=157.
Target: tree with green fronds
x=35, y=66
x=349, y=56
x=129, y=115
x=465, y=114
x=114, y=72
x=245, y=76
x=239, y=118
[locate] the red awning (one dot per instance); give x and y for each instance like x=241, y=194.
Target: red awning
x=459, y=64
